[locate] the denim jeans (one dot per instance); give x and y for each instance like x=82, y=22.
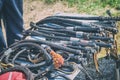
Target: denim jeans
x=11, y=13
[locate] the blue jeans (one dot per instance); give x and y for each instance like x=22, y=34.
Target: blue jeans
x=11, y=12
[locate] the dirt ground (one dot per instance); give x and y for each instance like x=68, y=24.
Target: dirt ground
x=34, y=10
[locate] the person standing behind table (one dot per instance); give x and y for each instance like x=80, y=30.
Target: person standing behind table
x=11, y=12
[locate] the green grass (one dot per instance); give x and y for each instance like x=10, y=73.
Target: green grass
x=49, y=1
x=102, y=3
x=90, y=6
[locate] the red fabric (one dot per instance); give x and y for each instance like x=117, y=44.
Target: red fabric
x=12, y=76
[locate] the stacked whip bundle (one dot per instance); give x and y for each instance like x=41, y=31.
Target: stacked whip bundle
x=60, y=47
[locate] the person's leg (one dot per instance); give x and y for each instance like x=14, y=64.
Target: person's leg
x=13, y=19
x=2, y=41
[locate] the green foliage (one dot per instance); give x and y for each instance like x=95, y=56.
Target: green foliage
x=90, y=6
x=112, y=3
x=102, y=3
x=49, y=1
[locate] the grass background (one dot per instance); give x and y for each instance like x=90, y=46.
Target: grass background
x=96, y=7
